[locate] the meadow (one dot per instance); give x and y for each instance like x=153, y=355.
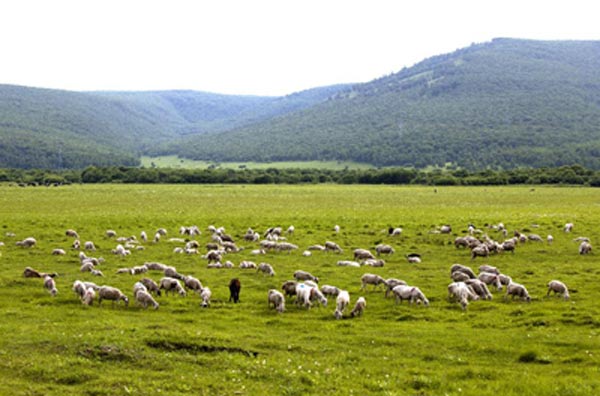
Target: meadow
x=174, y=162
x=57, y=346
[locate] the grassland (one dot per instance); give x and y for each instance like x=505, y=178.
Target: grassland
x=56, y=346
x=172, y=161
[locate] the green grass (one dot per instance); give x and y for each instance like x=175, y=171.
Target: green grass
x=172, y=161
x=56, y=346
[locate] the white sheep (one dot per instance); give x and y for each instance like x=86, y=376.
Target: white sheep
x=171, y=272
x=480, y=251
x=113, y=294
x=363, y=254
x=291, y=230
x=341, y=303
x=317, y=247
x=549, y=239
x=464, y=269
x=491, y=279
x=154, y=266
x=110, y=233
x=192, y=283
x=488, y=268
x=568, y=227
x=89, y=245
x=151, y=286
x=517, y=290
x=303, y=295
x=306, y=253
x=558, y=287
x=247, y=265
x=371, y=279
x=462, y=293
x=359, y=307
x=413, y=258
x=303, y=275
x=391, y=283
x=585, y=247
x=205, y=295
x=58, y=252
x=50, y=285
x=144, y=236
x=329, y=290
x=332, y=247
x=480, y=288
x=88, y=296
x=79, y=288
x=395, y=231
x=266, y=269
x=336, y=228
x=276, y=298
x=172, y=285
x=348, y=263
x=384, y=249
x=76, y=244
x=27, y=242
x=410, y=293
x=285, y=247
x=72, y=233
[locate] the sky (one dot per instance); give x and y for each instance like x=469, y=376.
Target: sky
x=257, y=47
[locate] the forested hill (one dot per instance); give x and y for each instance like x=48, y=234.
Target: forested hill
x=504, y=103
x=44, y=128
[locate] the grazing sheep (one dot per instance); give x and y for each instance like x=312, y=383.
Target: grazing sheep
x=89, y=245
x=303, y=275
x=329, y=290
x=480, y=288
x=140, y=269
x=480, y=251
x=248, y=265
x=384, y=249
x=332, y=247
x=348, y=263
x=162, y=232
x=31, y=273
x=491, y=279
x=110, y=233
x=76, y=244
x=151, y=286
x=58, y=252
x=413, y=258
x=266, y=269
x=205, y=295
x=306, y=253
x=517, y=290
x=410, y=293
x=341, y=303
x=535, y=238
x=568, y=227
x=504, y=279
x=464, y=269
x=462, y=293
x=235, y=286
x=171, y=272
x=72, y=233
x=363, y=254
x=285, y=247
x=395, y=231
x=144, y=298
x=289, y=288
x=144, y=236
x=96, y=272
x=371, y=279
x=558, y=287
x=488, y=268
x=458, y=276
x=50, y=285
x=585, y=247
x=391, y=283
x=154, y=266
x=113, y=294
x=213, y=256
x=374, y=262
x=192, y=283
x=172, y=285
x=291, y=230
x=88, y=296
x=87, y=266
x=359, y=307
x=138, y=286
x=549, y=239
x=276, y=298
x=317, y=247
x=156, y=238
x=445, y=229
x=27, y=242
x=304, y=295
x=336, y=228
x=79, y=288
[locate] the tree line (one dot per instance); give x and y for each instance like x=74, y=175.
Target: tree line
x=567, y=175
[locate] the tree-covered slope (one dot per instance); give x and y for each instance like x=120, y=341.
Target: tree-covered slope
x=505, y=103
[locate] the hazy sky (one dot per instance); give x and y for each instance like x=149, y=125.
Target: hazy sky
x=257, y=47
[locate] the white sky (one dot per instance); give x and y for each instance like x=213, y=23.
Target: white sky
x=261, y=47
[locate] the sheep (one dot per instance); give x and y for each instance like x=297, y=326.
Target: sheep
x=173, y=285
x=306, y=253
x=156, y=238
x=359, y=307
x=27, y=242
x=391, y=283
x=151, y=286
x=336, y=229
x=285, y=246
x=144, y=236
x=291, y=230
x=535, y=238
x=413, y=258
x=348, y=263
x=266, y=269
x=394, y=231
x=276, y=298
x=517, y=290
x=140, y=269
x=289, y=288
x=445, y=229
x=96, y=272
x=111, y=293
x=205, y=295
x=480, y=288
x=138, y=286
x=76, y=244
x=464, y=269
x=332, y=247
x=374, y=262
x=144, y=298
x=317, y=247
x=87, y=266
x=89, y=245
x=371, y=279
x=329, y=290
x=558, y=287
x=88, y=296
x=488, y=268
x=31, y=273
x=50, y=285
x=58, y=252
x=549, y=239
x=228, y=264
x=410, y=293
x=568, y=227
x=462, y=293
x=304, y=294
x=247, y=265
x=79, y=288
x=384, y=249
x=72, y=233
x=585, y=248
x=161, y=232
x=192, y=283
x=213, y=256
x=258, y=252
x=171, y=272
x=341, y=303
x=154, y=266
x=235, y=286
x=480, y=251
x=303, y=275
x=458, y=276
x=504, y=279
x=490, y=279
x=91, y=285
x=110, y=233
x=363, y=254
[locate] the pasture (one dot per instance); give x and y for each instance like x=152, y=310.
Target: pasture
x=57, y=346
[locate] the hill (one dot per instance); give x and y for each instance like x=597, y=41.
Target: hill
x=44, y=128
x=505, y=103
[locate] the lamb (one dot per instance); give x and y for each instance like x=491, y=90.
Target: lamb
x=517, y=290
x=480, y=288
x=192, y=283
x=144, y=298
x=111, y=293
x=303, y=275
x=359, y=307
x=342, y=301
x=391, y=283
x=151, y=286
x=205, y=295
x=329, y=290
x=235, y=286
x=332, y=247
x=276, y=298
x=585, y=248
x=89, y=245
x=27, y=242
x=462, y=293
x=384, y=249
x=558, y=287
x=363, y=254
x=289, y=288
x=266, y=269
x=58, y=252
x=410, y=293
x=464, y=269
x=88, y=296
x=371, y=279
x=50, y=285
x=490, y=279
x=72, y=233
x=348, y=263
x=173, y=285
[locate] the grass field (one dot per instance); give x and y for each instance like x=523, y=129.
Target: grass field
x=172, y=161
x=57, y=346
